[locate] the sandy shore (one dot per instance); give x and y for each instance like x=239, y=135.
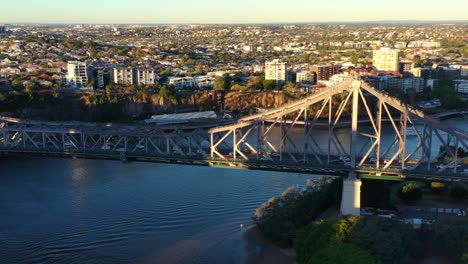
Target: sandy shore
x=260, y=251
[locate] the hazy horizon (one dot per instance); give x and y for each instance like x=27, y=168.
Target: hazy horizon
x=228, y=12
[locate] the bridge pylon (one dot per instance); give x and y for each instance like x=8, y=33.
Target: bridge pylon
x=351, y=195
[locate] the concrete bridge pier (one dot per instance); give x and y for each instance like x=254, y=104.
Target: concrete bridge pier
x=351, y=196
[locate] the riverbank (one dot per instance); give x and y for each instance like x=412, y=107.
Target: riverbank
x=261, y=251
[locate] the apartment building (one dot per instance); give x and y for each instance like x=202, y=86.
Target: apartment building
x=323, y=72
x=305, y=77
x=275, y=70
x=145, y=76
x=123, y=75
x=77, y=75
x=385, y=59
x=182, y=82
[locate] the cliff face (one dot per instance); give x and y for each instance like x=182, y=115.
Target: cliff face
x=238, y=101
x=99, y=107
x=122, y=107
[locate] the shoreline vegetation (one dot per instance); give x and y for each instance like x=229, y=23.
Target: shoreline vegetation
x=304, y=226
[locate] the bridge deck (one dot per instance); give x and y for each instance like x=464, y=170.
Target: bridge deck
x=306, y=168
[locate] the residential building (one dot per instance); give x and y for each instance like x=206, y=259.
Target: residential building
x=461, y=87
x=182, y=82
x=385, y=59
x=100, y=79
x=275, y=70
x=145, y=76
x=204, y=82
x=405, y=67
x=323, y=72
x=123, y=75
x=305, y=77
x=386, y=82
x=77, y=76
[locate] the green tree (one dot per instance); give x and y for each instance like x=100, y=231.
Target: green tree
x=458, y=192
x=269, y=85
x=388, y=239
x=319, y=235
x=439, y=188
x=219, y=84
x=451, y=235
x=289, y=87
x=410, y=191
x=343, y=253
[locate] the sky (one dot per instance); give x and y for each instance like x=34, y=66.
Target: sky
x=228, y=11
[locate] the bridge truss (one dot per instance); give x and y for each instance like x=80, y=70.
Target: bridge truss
x=79, y=137
x=308, y=133
x=362, y=103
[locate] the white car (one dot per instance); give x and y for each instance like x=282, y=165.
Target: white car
x=106, y=147
x=452, y=166
x=345, y=159
x=266, y=158
x=140, y=147
x=121, y=149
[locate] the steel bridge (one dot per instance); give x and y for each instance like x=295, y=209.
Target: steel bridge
x=289, y=138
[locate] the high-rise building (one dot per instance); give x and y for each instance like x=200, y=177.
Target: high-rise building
x=275, y=70
x=2, y=30
x=305, y=77
x=385, y=59
x=323, y=72
x=145, y=76
x=100, y=79
x=77, y=75
x=123, y=75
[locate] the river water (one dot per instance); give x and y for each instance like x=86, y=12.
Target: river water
x=94, y=211
x=56, y=210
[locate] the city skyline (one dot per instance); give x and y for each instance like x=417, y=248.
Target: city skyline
x=227, y=12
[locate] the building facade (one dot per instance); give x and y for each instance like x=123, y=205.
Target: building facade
x=123, y=75
x=323, y=72
x=275, y=70
x=145, y=76
x=305, y=77
x=77, y=76
x=182, y=82
x=461, y=87
x=385, y=59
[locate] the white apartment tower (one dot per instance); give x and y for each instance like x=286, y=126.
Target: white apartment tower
x=100, y=79
x=77, y=75
x=385, y=59
x=145, y=76
x=123, y=75
x=275, y=70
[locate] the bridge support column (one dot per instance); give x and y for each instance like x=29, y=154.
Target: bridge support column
x=351, y=196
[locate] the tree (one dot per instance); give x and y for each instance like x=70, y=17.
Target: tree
x=219, y=84
x=269, y=84
x=458, y=192
x=319, y=235
x=451, y=235
x=289, y=87
x=439, y=188
x=343, y=253
x=238, y=87
x=410, y=191
x=388, y=239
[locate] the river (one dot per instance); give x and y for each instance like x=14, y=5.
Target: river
x=95, y=211
x=56, y=210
